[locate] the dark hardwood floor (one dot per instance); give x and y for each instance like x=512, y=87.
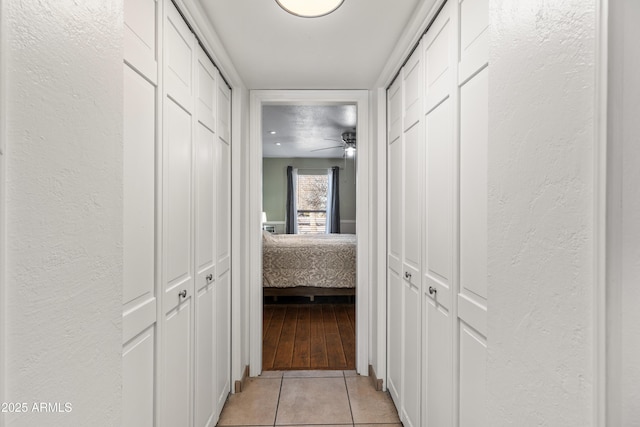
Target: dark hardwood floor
x=309, y=336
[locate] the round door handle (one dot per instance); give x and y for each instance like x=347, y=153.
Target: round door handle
x=432, y=290
x=182, y=294
x=209, y=277
x=407, y=275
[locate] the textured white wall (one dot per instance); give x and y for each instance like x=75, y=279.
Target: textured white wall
x=624, y=215
x=540, y=254
x=64, y=210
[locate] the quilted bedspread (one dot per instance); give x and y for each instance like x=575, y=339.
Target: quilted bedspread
x=316, y=260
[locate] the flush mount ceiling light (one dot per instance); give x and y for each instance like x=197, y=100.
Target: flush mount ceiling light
x=309, y=8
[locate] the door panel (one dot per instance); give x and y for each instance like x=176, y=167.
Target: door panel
x=206, y=85
x=179, y=44
x=438, y=399
x=204, y=357
x=177, y=198
x=474, y=37
x=412, y=200
x=411, y=356
x=394, y=341
x=473, y=356
x=473, y=185
x=177, y=370
x=138, y=382
x=139, y=187
x=223, y=340
x=439, y=194
x=140, y=41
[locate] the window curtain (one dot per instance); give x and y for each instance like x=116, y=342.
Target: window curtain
x=333, y=201
x=291, y=220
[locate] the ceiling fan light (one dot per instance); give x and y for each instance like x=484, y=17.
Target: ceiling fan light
x=350, y=151
x=309, y=8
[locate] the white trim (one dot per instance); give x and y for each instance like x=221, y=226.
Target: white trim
x=3, y=144
x=380, y=257
x=600, y=217
x=361, y=99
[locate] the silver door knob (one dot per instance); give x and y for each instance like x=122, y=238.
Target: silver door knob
x=432, y=290
x=182, y=294
x=209, y=277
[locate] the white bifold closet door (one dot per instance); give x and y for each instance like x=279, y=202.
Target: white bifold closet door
x=178, y=261
x=223, y=248
x=196, y=239
x=412, y=177
x=437, y=276
x=140, y=328
x=439, y=220
x=471, y=328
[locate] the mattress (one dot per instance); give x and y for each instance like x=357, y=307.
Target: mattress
x=314, y=260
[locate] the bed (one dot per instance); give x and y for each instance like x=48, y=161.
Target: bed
x=308, y=264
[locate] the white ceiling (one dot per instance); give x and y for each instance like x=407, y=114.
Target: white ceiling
x=272, y=49
x=300, y=129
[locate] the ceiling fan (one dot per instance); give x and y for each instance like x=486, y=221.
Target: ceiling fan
x=348, y=144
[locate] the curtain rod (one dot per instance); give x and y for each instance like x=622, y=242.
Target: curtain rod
x=317, y=169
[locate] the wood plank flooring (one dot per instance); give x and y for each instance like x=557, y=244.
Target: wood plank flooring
x=309, y=336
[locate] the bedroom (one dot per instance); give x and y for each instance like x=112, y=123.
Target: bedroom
x=309, y=241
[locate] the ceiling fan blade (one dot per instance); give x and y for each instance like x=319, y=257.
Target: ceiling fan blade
x=328, y=148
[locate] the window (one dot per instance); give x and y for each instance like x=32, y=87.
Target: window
x=312, y=203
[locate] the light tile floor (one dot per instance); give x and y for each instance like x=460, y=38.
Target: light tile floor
x=298, y=398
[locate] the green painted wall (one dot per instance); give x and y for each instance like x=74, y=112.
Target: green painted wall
x=274, y=184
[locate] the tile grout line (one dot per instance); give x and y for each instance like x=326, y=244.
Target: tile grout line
x=344, y=377
x=275, y=418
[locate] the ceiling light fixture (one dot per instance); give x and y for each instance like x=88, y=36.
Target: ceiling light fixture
x=309, y=8
x=272, y=132
x=278, y=144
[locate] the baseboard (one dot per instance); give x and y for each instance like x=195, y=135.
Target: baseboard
x=239, y=385
x=377, y=382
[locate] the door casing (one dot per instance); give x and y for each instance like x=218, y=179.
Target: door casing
x=310, y=97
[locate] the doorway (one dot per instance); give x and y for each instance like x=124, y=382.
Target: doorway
x=309, y=236
x=261, y=101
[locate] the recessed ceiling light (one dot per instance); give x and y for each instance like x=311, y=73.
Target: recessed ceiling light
x=272, y=132
x=309, y=8
x=277, y=143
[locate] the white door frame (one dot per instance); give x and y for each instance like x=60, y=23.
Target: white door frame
x=264, y=97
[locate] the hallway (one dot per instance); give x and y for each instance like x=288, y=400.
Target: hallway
x=309, y=398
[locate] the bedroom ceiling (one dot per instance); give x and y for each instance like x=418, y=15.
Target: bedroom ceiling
x=299, y=129
x=272, y=49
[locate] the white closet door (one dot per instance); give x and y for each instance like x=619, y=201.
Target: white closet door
x=205, y=238
x=223, y=248
x=472, y=294
x=412, y=142
x=439, y=222
x=139, y=352
x=394, y=218
x=178, y=259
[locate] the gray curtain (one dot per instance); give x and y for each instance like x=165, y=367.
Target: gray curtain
x=333, y=202
x=290, y=218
